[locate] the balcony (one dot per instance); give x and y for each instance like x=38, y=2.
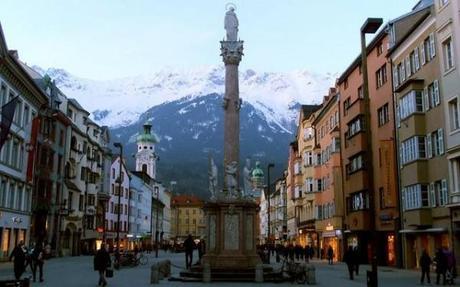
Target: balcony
x=356, y=181
x=356, y=143
x=359, y=220
x=418, y=217
x=354, y=109
x=90, y=210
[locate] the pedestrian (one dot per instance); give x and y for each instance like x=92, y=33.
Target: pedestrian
x=19, y=260
x=330, y=255
x=38, y=259
x=306, y=252
x=441, y=266
x=356, y=259
x=291, y=252
x=189, y=245
x=311, y=252
x=451, y=266
x=101, y=263
x=425, y=263
x=348, y=258
x=28, y=252
x=201, y=249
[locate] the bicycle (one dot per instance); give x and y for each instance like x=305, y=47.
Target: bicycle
x=293, y=271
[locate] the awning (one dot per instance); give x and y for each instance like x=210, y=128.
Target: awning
x=72, y=186
x=428, y=230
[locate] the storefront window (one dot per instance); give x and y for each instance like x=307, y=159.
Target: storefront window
x=5, y=241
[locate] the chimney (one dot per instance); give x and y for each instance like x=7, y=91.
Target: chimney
x=15, y=54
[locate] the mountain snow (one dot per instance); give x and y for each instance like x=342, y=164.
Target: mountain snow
x=120, y=102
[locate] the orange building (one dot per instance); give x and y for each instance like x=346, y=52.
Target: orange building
x=360, y=187
x=327, y=181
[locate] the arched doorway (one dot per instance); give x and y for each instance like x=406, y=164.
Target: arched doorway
x=70, y=240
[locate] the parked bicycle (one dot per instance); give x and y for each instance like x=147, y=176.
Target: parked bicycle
x=292, y=271
x=130, y=260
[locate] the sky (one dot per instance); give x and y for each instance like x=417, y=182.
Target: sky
x=108, y=39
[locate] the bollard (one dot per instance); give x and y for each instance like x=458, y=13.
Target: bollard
x=154, y=274
x=311, y=276
x=206, y=273
x=259, y=273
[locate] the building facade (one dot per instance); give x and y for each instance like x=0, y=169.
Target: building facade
x=326, y=184
x=187, y=217
x=117, y=215
x=421, y=133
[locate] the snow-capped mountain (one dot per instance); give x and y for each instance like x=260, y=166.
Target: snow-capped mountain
x=120, y=102
x=185, y=108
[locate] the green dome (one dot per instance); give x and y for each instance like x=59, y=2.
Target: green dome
x=257, y=172
x=147, y=135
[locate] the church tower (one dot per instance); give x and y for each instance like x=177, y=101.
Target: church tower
x=145, y=156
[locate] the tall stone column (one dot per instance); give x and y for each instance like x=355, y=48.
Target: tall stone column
x=231, y=52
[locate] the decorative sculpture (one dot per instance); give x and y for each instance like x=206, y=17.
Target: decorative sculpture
x=231, y=24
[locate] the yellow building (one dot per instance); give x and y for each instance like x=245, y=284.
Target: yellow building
x=187, y=217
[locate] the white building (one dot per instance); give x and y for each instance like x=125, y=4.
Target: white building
x=140, y=210
x=119, y=201
x=15, y=184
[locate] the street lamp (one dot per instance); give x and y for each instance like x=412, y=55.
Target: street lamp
x=369, y=27
x=157, y=191
x=269, y=166
x=120, y=146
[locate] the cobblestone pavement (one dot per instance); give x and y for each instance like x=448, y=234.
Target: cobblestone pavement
x=78, y=272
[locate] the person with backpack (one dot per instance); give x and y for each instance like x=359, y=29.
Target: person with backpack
x=38, y=260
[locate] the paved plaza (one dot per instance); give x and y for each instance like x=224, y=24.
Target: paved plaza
x=78, y=272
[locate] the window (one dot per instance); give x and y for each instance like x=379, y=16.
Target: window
x=11, y=195
x=438, y=193
x=355, y=126
x=381, y=76
x=408, y=67
x=80, y=202
x=3, y=99
x=345, y=84
x=432, y=46
x=415, y=196
x=448, y=52
x=454, y=115
x=379, y=49
x=309, y=185
x=319, y=184
x=3, y=192
x=435, y=143
x=26, y=115
x=355, y=163
x=358, y=201
x=308, y=133
x=360, y=92
x=410, y=103
x=382, y=198
x=432, y=98
x=346, y=105
x=383, y=114
x=297, y=168
x=414, y=61
x=395, y=76
x=412, y=149
x=308, y=160
x=83, y=173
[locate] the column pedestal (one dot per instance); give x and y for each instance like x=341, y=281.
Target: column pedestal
x=231, y=235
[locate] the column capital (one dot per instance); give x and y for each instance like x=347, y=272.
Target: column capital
x=231, y=52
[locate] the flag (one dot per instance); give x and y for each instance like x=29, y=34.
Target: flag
x=7, y=118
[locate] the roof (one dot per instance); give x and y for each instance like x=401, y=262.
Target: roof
x=408, y=23
x=186, y=200
x=308, y=110
x=76, y=104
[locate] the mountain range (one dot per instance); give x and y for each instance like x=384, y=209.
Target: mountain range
x=185, y=108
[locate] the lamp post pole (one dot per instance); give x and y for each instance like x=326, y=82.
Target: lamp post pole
x=269, y=166
x=369, y=27
x=157, y=191
x=120, y=146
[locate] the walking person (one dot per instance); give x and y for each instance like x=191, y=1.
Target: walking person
x=348, y=258
x=441, y=266
x=189, y=245
x=38, y=259
x=356, y=259
x=330, y=255
x=101, y=263
x=306, y=252
x=19, y=260
x=425, y=263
